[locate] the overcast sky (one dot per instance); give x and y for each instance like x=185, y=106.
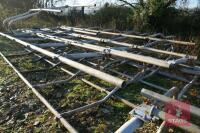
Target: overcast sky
x=192, y=3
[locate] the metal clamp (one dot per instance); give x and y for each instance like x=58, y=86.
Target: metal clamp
x=107, y=51
x=143, y=112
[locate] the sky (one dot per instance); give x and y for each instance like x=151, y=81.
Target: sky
x=191, y=3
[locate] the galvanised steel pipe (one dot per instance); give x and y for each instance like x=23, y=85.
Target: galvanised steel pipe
x=91, y=71
x=186, y=87
x=30, y=11
x=172, y=75
x=192, y=128
x=132, y=46
x=48, y=45
x=46, y=10
x=83, y=108
x=13, y=17
x=130, y=36
x=77, y=56
x=88, y=82
x=130, y=77
x=123, y=54
x=190, y=70
x=22, y=17
x=131, y=125
x=161, y=98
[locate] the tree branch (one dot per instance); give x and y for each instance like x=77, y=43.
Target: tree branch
x=127, y=3
x=169, y=3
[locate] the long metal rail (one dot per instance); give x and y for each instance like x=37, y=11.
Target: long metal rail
x=153, y=50
x=185, y=70
x=96, y=73
x=42, y=99
x=130, y=36
x=171, y=62
x=123, y=54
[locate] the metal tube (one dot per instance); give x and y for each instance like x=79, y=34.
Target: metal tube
x=47, y=45
x=81, y=109
x=170, y=93
x=167, y=74
x=22, y=17
x=13, y=17
x=89, y=83
x=123, y=54
x=132, y=46
x=190, y=70
x=106, y=91
x=161, y=98
x=160, y=114
x=30, y=13
x=30, y=39
x=161, y=128
x=131, y=36
x=42, y=99
x=153, y=85
x=131, y=125
x=96, y=73
x=98, y=102
x=130, y=77
x=76, y=56
x=128, y=44
x=186, y=87
x=46, y=10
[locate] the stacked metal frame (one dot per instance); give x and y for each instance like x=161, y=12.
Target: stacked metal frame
x=98, y=54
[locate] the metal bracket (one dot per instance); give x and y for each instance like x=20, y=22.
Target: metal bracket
x=144, y=112
x=178, y=61
x=106, y=53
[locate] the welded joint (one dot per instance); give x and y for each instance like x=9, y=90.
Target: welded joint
x=55, y=65
x=39, y=59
